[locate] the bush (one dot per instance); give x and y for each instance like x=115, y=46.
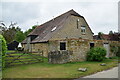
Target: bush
x=114, y=49
x=3, y=50
x=96, y=54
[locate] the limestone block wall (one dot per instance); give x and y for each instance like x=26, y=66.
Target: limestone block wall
x=72, y=30
x=39, y=47
x=59, y=57
x=80, y=47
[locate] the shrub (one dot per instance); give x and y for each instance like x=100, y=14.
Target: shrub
x=114, y=49
x=118, y=52
x=96, y=54
x=3, y=50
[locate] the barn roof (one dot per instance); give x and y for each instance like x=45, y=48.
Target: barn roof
x=46, y=30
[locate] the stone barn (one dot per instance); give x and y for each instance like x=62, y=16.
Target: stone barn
x=66, y=26
x=68, y=33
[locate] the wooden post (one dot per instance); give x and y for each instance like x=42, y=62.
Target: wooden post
x=42, y=56
x=39, y=52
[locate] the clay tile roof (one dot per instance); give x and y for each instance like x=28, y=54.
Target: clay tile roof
x=106, y=36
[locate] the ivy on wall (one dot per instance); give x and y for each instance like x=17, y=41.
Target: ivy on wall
x=115, y=49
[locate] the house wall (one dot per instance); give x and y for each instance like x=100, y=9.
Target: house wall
x=41, y=47
x=70, y=29
x=80, y=47
x=36, y=47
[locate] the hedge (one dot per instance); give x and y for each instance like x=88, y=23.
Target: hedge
x=3, y=50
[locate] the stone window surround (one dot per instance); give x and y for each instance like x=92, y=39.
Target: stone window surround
x=92, y=42
x=59, y=45
x=83, y=28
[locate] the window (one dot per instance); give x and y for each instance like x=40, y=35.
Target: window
x=32, y=37
x=83, y=29
x=91, y=45
x=77, y=23
x=54, y=29
x=62, y=45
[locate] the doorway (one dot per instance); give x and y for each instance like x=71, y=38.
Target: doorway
x=91, y=45
x=106, y=46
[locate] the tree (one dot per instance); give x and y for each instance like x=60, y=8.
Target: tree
x=100, y=35
x=9, y=33
x=3, y=47
x=14, y=32
x=110, y=32
x=18, y=28
x=30, y=30
x=20, y=36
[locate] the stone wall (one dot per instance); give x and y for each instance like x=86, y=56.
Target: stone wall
x=80, y=47
x=36, y=47
x=59, y=57
x=41, y=47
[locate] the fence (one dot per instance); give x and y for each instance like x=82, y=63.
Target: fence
x=18, y=58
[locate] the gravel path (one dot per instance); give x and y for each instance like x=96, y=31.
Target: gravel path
x=112, y=73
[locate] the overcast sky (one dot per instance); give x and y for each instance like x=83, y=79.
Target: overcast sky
x=101, y=15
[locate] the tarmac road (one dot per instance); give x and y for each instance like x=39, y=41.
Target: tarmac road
x=112, y=73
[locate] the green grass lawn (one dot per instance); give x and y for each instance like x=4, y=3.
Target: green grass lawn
x=46, y=70
x=9, y=51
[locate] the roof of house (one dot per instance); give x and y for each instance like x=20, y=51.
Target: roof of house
x=112, y=37
x=106, y=36
x=103, y=36
x=46, y=30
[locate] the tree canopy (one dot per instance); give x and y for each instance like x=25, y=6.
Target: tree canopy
x=20, y=36
x=100, y=35
x=29, y=30
x=13, y=32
